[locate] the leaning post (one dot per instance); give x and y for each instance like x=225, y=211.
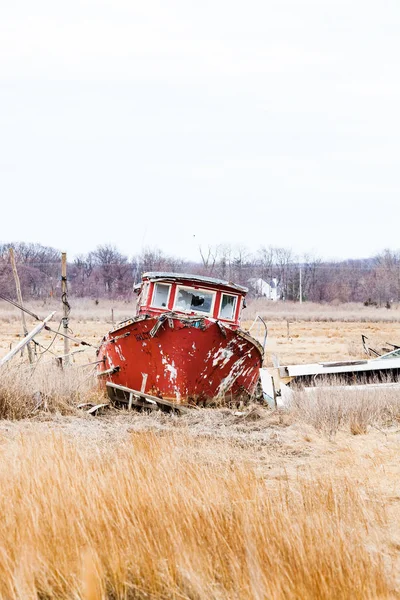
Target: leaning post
x=26, y=340
x=66, y=306
x=19, y=296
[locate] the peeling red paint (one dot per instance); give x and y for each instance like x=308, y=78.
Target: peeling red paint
x=184, y=356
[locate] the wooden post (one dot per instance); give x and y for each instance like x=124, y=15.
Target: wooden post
x=19, y=296
x=66, y=309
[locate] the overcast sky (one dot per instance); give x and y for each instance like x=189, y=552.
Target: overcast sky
x=174, y=123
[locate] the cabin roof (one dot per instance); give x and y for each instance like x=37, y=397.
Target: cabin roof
x=160, y=275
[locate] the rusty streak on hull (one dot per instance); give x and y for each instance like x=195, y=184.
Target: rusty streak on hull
x=189, y=360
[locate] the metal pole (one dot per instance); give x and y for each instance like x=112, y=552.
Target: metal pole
x=19, y=296
x=66, y=308
x=265, y=332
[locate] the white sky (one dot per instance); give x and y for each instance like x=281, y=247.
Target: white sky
x=177, y=123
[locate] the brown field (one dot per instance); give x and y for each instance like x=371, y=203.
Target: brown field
x=316, y=332
x=296, y=503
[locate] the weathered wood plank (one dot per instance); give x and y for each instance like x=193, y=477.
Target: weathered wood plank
x=26, y=340
x=161, y=402
x=64, y=292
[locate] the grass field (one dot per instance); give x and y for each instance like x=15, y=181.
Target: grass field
x=297, y=503
x=296, y=333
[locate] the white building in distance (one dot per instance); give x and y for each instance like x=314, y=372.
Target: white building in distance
x=264, y=289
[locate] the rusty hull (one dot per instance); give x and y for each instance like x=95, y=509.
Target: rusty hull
x=185, y=359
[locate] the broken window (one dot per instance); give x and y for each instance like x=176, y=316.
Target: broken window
x=194, y=300
x=160, y=295
x=228, y=307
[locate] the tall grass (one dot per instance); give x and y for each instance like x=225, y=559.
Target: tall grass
x=26, y=390
x=152, y=519
x=330, y=408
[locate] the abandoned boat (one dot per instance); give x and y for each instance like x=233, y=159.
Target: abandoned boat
x=379, y=372
x=184, y=345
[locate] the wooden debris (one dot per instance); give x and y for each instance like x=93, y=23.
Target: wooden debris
x=142, y=400
x=26, y=340
x=96, y=408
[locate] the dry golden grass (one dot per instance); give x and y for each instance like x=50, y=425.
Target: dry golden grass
x=299, y=503
x=210, y=505
x=25, y=391
x=330, y=408
x=155, y=519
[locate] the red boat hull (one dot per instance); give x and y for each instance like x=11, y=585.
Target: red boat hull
x=183, y=360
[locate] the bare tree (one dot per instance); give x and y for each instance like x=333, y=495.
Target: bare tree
x=114, y=267
x=284, y=269
x=310, y=269
x=38, y=268
x=151, y=259
x=387, y=277
x=241, y=264
x=209, y=257
x=266, y=262
x=83, y=268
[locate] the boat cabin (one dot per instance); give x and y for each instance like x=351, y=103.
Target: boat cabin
x=190, y=295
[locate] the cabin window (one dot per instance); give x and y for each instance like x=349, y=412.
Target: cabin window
x=160, y=295
x=228, y=307
x=194, y=300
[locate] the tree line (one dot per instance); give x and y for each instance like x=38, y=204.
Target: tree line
x=106, y=272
